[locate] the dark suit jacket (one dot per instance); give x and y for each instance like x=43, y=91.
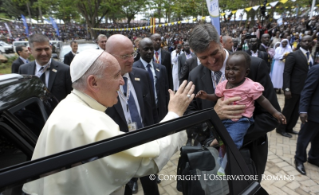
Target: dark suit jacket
x=261, y=48
x=264, y=122
x=166, y=61
x=295, y=72
x=263, y=55
x=181, y=63
x=190, y=64
x=68, y=58
x=137, y=55
x=60, y=84
x=310, y=95
x=161, y=87
x=141, y=82
x=16, y=64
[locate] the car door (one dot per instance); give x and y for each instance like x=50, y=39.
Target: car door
x=15, y=176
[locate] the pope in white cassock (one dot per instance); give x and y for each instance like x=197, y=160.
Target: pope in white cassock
x=79, y=119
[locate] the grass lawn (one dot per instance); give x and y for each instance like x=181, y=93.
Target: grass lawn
x=5, y=68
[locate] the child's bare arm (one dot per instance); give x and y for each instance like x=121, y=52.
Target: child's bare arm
x=264, y=102
x=204, y=96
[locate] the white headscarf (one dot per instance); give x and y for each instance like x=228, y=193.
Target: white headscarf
x=277, y=43
x=281, y=50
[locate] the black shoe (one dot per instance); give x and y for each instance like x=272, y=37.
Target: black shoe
x=300, y=168
x=285, y=134
x=158, y=179
x=189, y=142
x=293, y=132
x=314, y=162
x=134, y=187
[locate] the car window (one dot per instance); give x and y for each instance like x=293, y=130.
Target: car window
x=20, y=127
x=82, y=165
x=31, y=116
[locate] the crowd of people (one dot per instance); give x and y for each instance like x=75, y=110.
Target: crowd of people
x=135, y=89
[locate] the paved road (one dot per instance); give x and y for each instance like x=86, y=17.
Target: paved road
x=280, y=162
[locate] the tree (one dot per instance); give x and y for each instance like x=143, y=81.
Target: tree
x=131, y=8
x=95, y=10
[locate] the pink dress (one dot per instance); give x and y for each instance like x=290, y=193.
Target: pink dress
x=249, y=91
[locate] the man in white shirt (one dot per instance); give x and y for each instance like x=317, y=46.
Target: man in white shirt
x=174, y=56
x=101, y=41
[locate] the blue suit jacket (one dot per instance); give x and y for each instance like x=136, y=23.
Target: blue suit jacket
x=161, y=87
x=309, y=97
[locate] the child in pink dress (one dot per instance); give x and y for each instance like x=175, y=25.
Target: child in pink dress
x=237, y=84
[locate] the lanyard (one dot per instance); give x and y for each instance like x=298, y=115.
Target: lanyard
x=40, y=72
x=125, y=98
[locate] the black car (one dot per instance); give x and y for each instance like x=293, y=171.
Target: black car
x=25, y=104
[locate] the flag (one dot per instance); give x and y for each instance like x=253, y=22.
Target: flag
x=25, y=25
x=213, y=9
x=8, y=29
x=55, y=26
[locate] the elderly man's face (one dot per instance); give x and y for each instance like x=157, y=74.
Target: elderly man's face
x=123, y=52
x=213, y=57
x=101, y=42
x=109, y=84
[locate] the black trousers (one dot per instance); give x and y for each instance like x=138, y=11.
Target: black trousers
x=259, y=153
x=291, y=112
x=149, y=186
x=309, y=133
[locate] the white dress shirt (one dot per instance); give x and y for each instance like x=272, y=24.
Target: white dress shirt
x=154, y=74
x=223, y=77
x=47, y=72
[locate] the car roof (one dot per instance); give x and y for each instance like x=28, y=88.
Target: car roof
x=15, y=88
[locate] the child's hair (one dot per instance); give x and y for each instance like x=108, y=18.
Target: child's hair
x=245, y=55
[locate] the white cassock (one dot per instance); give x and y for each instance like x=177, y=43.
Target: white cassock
x=79, y=120
x=174, y=59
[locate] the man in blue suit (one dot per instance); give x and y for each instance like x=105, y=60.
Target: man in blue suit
x=158, y=75
x=309, y=112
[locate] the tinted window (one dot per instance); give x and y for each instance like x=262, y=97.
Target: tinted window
x=31, y=116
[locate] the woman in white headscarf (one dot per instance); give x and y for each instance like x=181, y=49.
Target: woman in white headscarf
x=278, y=69
x=271, y=52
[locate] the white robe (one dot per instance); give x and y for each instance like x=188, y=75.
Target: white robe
x=79, y=120
x=279, y=65
x=175, y=75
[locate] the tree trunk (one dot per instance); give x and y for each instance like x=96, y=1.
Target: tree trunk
x=40, y=14
x=29, y=12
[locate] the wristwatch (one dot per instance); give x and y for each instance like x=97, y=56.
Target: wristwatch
x=287, y=89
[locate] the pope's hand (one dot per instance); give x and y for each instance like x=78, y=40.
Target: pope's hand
x=180, y=100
